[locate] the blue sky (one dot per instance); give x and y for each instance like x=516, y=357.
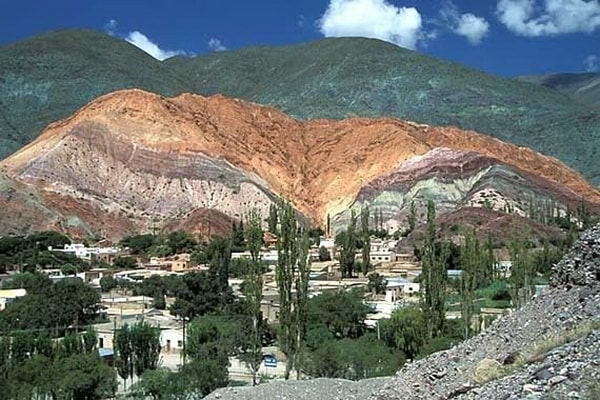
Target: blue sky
x=504, y=37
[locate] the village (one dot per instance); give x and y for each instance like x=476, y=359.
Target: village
x=391, y=283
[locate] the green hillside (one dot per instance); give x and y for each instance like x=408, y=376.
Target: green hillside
x=342, y=77
x=584, y=87
x=48, y=77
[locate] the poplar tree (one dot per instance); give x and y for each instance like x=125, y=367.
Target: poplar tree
x=272, y=220
x=348, y=251
x=433, y=271
x=285, y=271
x=412, y=217
x=253, y=289
x=301, y=299
x=366, y=249
x=522, y=270
x=471, y=263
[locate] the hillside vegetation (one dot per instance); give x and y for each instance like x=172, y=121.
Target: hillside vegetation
x=48, y=77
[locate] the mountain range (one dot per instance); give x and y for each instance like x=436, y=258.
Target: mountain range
x=48, y=77
x=582, y=87
x=133, y=160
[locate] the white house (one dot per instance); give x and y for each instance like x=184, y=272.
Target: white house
x=7, y=296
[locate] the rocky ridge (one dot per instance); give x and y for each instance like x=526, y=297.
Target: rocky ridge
x=548, y=347
x=150, y=157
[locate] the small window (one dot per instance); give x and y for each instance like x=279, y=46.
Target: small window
x=101, y=342
x=180, y=343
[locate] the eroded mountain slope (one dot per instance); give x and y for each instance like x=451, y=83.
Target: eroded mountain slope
x=153, y=157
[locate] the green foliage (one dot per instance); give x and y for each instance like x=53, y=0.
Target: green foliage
x=139, y=244
x=433, y=280
x=324, y=254
x=287, y=250
x=342, y=313
x=125, y=263
x=366, y=242
x=55, y=307
x=354, y=359
x=206, y=348
x=201, y=293
x=348, y=250
x=70, y=370
x=137, y=349
x=253, y=286
x=107, y=283
x=161, y=384
x=472, y=269
x=408, y=329
x=377, y=283
x=272, y=220
x=522, y=270
x=412, y=217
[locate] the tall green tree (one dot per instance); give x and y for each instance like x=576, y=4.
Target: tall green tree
x=253, y=284
x=145, y=345
x=412, y=217
x=348, y=251
x=208, y=356
x=522, y=270
x=123, y=347
x=433, y=283
x=409, y=330
x=300, y=306
x=272, y=220
x=471, y=263
x=366, y=242
x=287, y=249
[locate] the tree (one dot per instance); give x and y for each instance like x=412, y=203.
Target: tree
x=409, y=330
x=434, y=277
x=366, y=243
x=412, y=217
x=253, y=291
x=124, y=263
x=145, y=346
x=522, y=270
x=324, y=254
x=376, y=284
x=272, y=220
x=160, y=384
x=85, y=377
x=219, y=252
x=300, y=306
x=107, y=283
x=123, y=348
x=341, y=313
x=285, y=271
x=207, y=369
x=201, y=293
x=348, y=251
x=68, y=302
x=472, y=267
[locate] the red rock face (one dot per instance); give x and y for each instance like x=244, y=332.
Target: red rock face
x=132, y=157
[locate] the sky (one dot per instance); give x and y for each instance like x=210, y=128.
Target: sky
x=502, y=37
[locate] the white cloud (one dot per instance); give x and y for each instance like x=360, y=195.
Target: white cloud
x=592, y=63
x=472, y=27
x=468, y=25
x=111, y=27
x=216, y=45
x=376, y=19
x=140, y=40
x=549, y=17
